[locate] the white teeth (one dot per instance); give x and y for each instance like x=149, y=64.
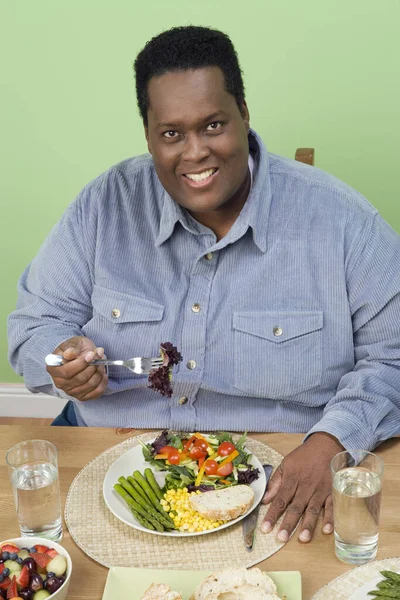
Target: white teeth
x=200, y=176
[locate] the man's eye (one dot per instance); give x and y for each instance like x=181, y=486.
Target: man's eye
x=170, y=134
x=214, y=126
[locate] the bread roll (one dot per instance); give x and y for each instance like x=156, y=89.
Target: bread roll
x=236, y=584
x=160, y=591
x=223, y=505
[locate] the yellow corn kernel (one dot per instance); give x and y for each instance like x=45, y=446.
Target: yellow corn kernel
x=177, y=503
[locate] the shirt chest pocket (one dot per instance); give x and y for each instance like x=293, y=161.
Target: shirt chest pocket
x=277, y=354
x=125, y=325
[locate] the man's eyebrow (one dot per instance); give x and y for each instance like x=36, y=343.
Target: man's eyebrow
x=206, y=119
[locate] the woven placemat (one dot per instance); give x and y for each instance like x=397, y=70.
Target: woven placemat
x=110, y=542
x=345, y=585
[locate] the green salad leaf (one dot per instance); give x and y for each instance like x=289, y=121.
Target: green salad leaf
x=185, y=474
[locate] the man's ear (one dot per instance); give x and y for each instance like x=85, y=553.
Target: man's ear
x=146, y=134
x=245, y=115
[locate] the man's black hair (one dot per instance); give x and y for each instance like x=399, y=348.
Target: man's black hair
x=182, y=48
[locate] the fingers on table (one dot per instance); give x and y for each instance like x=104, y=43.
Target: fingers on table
x=327, y=526
x=293, y=500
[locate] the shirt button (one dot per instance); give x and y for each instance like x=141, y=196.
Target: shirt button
x=183, y=400
x=115, y=313
x=277, y=331
x=209, y=256
x=191, y=364
x=196, y=308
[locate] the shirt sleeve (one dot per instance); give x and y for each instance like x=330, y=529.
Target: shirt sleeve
x=366, y=408
x=54, y=296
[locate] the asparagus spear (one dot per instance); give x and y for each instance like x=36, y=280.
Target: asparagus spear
x=127, y=486
x=137, y=487
x=151, y=495
x=389, y=588
x=391, y=575
x=153, y=483
x=388, y=584
x=386, y=594
x=163, y=518
x=136, y=506
x=142, y=520
x=385, y=597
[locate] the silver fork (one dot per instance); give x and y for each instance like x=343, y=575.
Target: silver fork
x=139, y=365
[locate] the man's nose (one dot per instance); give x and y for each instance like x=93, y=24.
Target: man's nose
x=195, y=148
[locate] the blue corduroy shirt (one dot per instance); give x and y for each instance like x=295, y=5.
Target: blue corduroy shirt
x=291, y=322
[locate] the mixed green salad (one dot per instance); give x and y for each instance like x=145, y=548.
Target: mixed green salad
x=201, y=461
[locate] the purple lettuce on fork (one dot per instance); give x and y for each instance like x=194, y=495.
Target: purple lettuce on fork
x=160, y=379
x=170, y=354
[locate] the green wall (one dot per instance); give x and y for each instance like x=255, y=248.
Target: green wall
x=321, y=73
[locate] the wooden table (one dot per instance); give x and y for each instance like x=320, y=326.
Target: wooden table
x=77, y=446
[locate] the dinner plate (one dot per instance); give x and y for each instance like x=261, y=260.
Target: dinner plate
x=125, y=582
x=133, y=460
x=356, y=583
x=362, y=593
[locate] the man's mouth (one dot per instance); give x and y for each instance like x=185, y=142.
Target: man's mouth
x=199, y=177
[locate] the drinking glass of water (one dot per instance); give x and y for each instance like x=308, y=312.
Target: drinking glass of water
x=33, y=470
x=357, y=486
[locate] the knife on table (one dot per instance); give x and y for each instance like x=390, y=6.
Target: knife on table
x=249, y=523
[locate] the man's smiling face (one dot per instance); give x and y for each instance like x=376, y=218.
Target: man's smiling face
x=198, y=139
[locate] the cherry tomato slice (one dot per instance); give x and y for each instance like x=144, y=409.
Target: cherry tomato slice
x=211, y=467
x=201, y=444
x=174, y=457
x=172, y=453
x=225, y=470
x=167, y=450
x=226, y=448
x=196, y=452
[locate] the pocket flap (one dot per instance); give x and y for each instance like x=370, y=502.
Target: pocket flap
x=277, y=326
x=120, y=307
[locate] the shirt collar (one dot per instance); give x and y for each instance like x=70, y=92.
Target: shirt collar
x=254, y=213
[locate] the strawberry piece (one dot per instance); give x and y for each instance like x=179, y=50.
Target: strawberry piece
x=9, y=548
x=2, y=567
x=12, y=590
x=5, y=583
x=41, y=549
x=41, y=559
x=52, y=552
x=23, y=577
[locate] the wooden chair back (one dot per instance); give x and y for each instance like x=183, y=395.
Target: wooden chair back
x=305, y=155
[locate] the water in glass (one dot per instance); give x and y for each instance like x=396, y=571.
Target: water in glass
x=356, y=500
x=37, y=500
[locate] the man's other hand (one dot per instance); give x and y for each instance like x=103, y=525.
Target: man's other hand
x=77, y=377
x=302, y=487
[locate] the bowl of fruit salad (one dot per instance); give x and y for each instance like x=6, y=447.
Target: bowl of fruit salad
x=33, y=568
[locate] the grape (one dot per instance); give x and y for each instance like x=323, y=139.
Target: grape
x=25, y=594
x=35, y=582
x=62, y=579
x=53, y=584
x=30, y=563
